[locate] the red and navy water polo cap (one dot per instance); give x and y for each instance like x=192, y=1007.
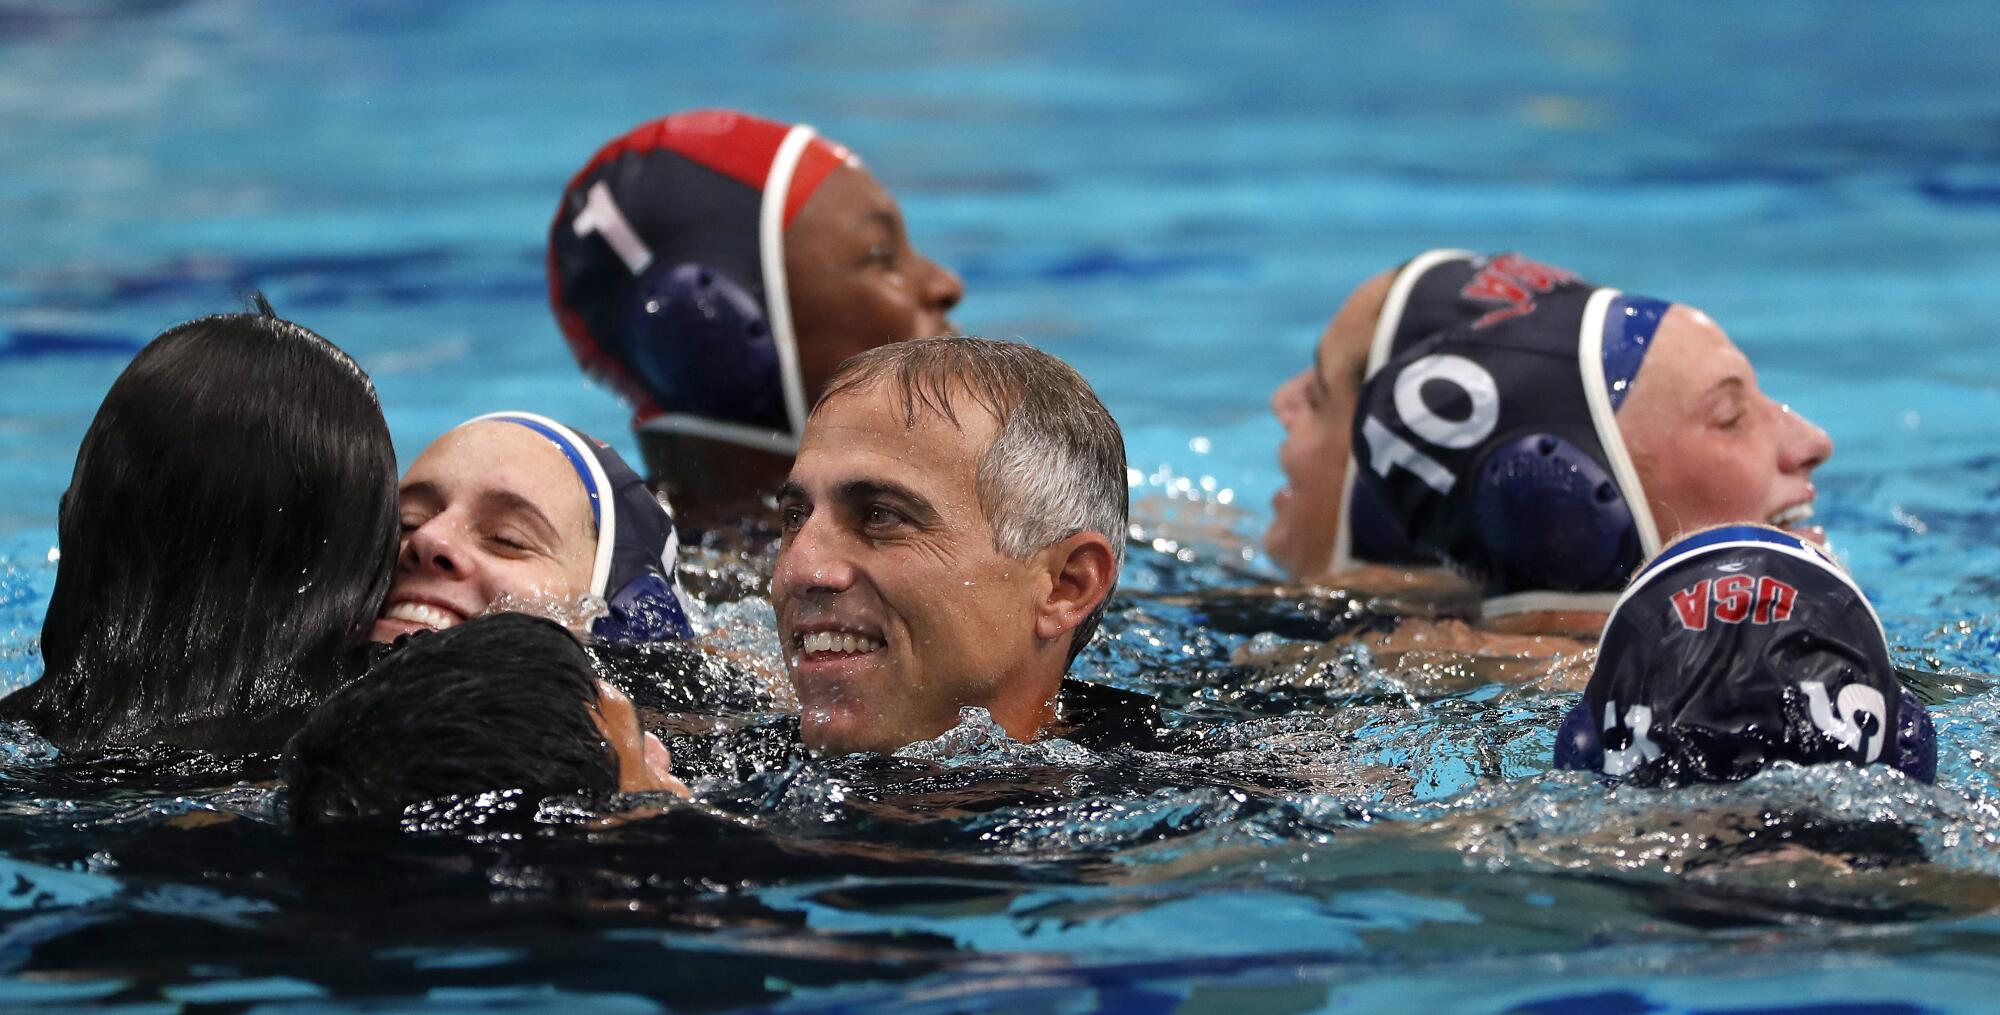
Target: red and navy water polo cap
x=1740, y=646
x=1485, y=434
x=667, y=272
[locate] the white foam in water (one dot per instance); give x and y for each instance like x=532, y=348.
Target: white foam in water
x=979, y=739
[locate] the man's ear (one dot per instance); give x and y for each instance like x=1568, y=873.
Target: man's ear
x=1081, y=571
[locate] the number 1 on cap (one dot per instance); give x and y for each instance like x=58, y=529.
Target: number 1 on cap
x=600, y=215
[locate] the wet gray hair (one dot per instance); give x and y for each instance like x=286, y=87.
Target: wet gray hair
x=1057, y=467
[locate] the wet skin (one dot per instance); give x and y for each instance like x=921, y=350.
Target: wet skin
x=1710, y=447
x=488, y=510
x=644, y=765
x=894, y=607
x=1316, y=408
x=856, y=281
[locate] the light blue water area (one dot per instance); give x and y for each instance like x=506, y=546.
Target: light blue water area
x=1174, y=198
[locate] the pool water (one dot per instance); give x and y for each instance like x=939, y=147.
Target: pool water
x=1175, y=200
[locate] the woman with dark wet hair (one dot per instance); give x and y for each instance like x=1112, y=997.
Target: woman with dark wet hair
x=226, y=541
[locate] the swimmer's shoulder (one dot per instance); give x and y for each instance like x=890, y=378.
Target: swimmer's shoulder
x=1098, y=716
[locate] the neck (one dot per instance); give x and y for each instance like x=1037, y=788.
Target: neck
x=1024, y=702
x=713, y=486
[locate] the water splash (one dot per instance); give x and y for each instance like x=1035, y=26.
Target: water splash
x=979, y=740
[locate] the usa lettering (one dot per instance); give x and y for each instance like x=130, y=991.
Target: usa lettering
x=1733, y=599
x=1514, y=281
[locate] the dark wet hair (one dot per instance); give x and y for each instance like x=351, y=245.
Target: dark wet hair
x=501, y=702
x=227, y=539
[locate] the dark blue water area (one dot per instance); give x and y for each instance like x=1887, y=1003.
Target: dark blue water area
x=1176, y=201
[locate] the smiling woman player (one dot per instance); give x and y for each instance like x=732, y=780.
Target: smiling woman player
x=516, y=512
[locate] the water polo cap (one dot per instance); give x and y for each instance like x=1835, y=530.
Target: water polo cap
x=633, y=571
x=1739, y=646
x=667, y=272
x=1485, y=431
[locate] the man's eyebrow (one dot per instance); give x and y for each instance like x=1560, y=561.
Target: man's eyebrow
x=791, y=491
x=858, y=490
x=882, y=217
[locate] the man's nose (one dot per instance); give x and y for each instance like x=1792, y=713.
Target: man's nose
x=813, y=560
x=436, y=547
x=1806, y=446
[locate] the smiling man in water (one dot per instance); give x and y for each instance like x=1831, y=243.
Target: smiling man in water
x=952, y=528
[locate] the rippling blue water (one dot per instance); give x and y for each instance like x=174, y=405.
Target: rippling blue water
x=1175, y=199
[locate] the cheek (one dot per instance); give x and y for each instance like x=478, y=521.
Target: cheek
x=891, y=310
x=529, y=580
x=964, y=612
x=1312, y=457
x=856, y=318
x=1709, y=481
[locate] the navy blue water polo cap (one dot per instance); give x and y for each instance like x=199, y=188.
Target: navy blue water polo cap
x=1736, y=647
x=667, y=272
x=633, y=571
x=1485, y=434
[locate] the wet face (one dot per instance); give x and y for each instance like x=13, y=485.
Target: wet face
x=1711, y=448
x=1316, y=408
x=644, y=766
x=894, y=608
x=490, y=510
x=855, y=280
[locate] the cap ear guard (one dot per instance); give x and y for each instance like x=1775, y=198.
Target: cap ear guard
x=647, y=609
x=701, y=343
x=1916, y=740
x=1550, y=517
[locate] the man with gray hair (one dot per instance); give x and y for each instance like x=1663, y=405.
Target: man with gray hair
x=952, y=528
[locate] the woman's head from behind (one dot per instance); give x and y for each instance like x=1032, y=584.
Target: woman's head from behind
x=226, y=538
x=1480, y=405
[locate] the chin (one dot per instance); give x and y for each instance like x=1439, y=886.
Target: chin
x=831, y=731
x=1279, y=546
